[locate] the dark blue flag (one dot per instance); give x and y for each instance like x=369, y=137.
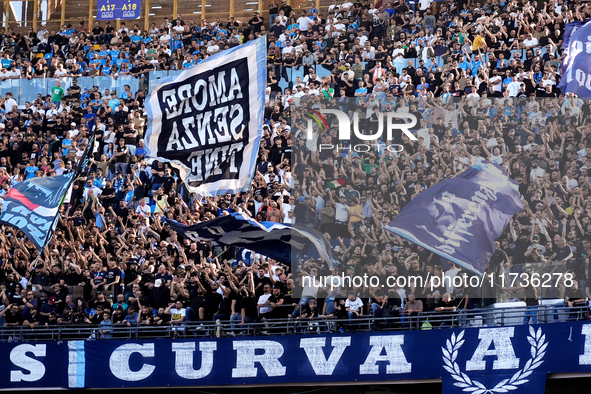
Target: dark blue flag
x=460, y=218
x=576, y=66
x=569, y=29
x=274, y=240
x=86, y=156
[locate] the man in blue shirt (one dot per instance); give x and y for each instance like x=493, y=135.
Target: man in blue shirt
x=464, y=65
x=90, y=118
x=476, y=64
x=140, y=150
x=136, y=36
x=508, y=79
x=131, y=318
x=114, y=52
x=102, y=55
x=6, y=61
x=113, y=102
x=95, y=60
x=389, y=9
x=31, y=170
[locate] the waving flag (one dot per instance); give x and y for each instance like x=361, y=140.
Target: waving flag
x=460, y=218
x=207, y=121
x=32, y=206
x=576, y=66
x=274, y=240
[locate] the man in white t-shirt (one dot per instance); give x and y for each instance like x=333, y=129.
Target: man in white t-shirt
x=450, y=274
x=165, y=38
x=333, y=5
x=310, y=286
x=341, y=211
x=537, y=172
x=90, y=189
x=339, y=27
x=288, y=49
x=362, y=38
x=304, y=22
x=178, y=315
x=353, y=306
x=424, y=4
x=143, y=209
x=513, y=87
x=346, y=7
x=213, y=47
x=288, y=210
x=423, y=133
x=497, y=82
x=178, y=29
x=13, y=73
x=264, y=306
x=10, y=103
x=530, y=41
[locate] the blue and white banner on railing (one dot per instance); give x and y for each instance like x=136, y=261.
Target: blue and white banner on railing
x=208, y=120
x=512, y=359
x=460, y=218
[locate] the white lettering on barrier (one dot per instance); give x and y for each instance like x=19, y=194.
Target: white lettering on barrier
x=585, y=358
x=183, y=363
x=314, y=350
x=119, y=361
x=246, y=358
x=26, y=356
x=36, y=369
x=503, y=349
x=394, y=355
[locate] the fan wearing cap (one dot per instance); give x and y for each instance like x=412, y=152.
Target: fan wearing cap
x=302, y=211
x=73, y=130
x=48, y=308
x=101, y=300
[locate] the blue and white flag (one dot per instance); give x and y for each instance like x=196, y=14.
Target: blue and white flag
x=32, y=206
x=207, y=121
x=282, y=242
x=460, y=218
x=569, y=29
x=576, y=66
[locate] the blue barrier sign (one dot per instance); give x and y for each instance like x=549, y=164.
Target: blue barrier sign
x=118, y=9
x=490, y=359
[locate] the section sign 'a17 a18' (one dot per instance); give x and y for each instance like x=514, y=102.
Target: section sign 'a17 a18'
x=118, y=9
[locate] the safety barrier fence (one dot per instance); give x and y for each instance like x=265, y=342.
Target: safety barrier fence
x=484, y=317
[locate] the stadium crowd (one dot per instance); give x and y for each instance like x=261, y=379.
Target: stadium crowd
x=481, y=77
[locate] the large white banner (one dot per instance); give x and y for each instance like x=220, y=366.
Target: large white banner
x=207, y=122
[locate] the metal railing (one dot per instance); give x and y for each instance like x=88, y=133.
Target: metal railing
x=485, y=317
x=25, y=90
